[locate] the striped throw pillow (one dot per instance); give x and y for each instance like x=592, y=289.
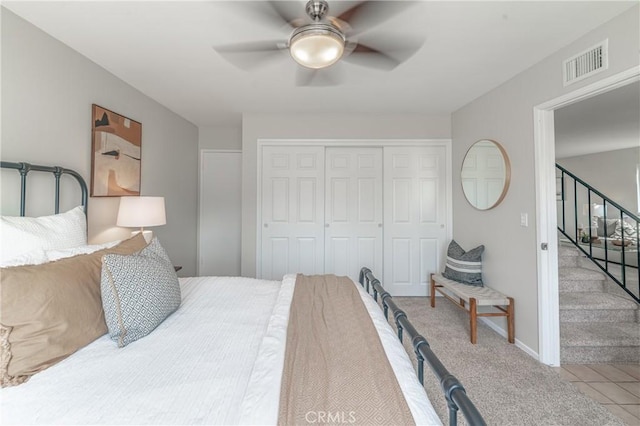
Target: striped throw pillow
x=464, y=266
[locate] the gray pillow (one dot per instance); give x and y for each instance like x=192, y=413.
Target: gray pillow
x=464, y=266
x=611, y=226
x=138, y=292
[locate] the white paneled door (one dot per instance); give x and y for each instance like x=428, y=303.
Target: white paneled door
x=292, y=209
x=415, y=217
x=353, y=211
x=336, y=209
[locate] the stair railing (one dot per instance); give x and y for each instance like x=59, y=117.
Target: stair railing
x=617, y=257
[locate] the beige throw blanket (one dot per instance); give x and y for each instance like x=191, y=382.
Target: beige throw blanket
x=335, y=368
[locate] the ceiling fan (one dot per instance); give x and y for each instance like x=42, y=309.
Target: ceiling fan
x=318, y=40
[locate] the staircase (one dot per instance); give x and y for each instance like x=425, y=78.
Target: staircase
x=598, y=323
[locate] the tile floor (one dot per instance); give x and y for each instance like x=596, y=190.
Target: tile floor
x=615, y=386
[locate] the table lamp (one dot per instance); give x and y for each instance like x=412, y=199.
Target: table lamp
x=141, y=212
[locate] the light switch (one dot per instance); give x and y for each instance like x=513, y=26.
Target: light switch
x=524, y=219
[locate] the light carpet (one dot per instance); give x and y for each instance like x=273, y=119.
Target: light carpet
x=507, y=385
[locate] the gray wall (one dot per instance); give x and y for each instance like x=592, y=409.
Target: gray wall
x=220, y=137
x=318, y=126
x=613, y=173
x=505, y=114
x=47, y=92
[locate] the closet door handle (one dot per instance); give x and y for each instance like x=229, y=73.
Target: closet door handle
x=326, y=225
x=266, y=225
x=379, y=225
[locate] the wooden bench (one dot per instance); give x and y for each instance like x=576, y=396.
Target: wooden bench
x=473, y=297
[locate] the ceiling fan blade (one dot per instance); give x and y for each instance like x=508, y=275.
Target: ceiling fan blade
x=325, y=77
x=388, y=53
x=290, y=12
x=251, y=55
x=371, y=13
x=275, y=14
x=368, y=57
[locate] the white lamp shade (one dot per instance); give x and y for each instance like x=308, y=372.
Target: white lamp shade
x=598, y=210
x=141, y=212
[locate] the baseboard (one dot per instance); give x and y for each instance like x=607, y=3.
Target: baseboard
x=526, y=349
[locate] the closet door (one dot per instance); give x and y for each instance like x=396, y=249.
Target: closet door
x=353, y=211
x=292, y=209
x=415, y=221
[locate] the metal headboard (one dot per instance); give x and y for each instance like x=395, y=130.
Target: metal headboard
x=25, y=168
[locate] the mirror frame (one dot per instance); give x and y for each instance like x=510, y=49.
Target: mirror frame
x=507, y=174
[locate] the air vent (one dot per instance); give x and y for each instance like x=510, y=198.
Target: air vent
x=585, y=64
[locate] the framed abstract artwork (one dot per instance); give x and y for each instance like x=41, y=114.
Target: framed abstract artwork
x=116, y=145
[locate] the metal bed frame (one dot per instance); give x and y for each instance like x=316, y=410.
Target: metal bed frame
x=25, y=168
x=453, y=390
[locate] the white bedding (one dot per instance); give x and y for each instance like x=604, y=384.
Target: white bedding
x=217, y=360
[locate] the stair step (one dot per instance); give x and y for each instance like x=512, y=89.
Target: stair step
x=567, y=251
x=596, y=307
x=600, y=355
x=566, y=286
x=599, y=342
x=588, y=300
x=579, y=274
x=580, y=279
x=568, y=262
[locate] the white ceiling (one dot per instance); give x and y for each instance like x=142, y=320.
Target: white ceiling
x=164, y=49
x=606, y=122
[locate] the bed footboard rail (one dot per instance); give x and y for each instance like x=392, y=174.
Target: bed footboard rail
x=25, y=168
x=454, y=392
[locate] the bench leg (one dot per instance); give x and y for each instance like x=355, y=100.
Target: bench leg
x=510, y=320
x=473, y=316
x=433, y=292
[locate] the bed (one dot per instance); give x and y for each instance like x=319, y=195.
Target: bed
x=236, y=351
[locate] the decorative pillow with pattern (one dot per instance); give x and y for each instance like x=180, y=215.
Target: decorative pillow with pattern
x=626, y=229
x=139, y=291
x=464, y=266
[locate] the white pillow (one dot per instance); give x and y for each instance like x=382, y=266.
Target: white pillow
x=52, y=255
x=39, y=256
x=20, y=235
x=34, y=257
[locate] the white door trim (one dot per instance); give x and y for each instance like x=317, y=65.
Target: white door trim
x=201, y=193
x=354, y=142
x=546, y=215
x=345, y=143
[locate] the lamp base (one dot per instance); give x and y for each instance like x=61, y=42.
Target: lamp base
x=148, y=235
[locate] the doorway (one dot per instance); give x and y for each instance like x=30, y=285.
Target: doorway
x=544, y=140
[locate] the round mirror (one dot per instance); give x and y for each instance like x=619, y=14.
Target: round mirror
x=485, y=174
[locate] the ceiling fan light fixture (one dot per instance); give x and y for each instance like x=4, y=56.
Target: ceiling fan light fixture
x=316, y=45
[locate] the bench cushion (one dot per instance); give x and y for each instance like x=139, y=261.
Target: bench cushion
x=484, y=296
